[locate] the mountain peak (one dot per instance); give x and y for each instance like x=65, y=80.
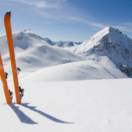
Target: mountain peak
x=111, y=34
x=107, y=30
x=110, y=29
x=104, y=38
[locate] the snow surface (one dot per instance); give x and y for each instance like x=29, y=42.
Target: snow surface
x=75, y=106
x=81, y=70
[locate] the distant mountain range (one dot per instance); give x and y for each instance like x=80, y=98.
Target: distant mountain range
x=107, y=54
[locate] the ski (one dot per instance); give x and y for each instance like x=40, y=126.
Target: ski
x=4, y=82
x=7, y=23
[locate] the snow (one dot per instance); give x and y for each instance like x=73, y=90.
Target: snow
x=45, y=56
x=96, y=105
x=59, y=93
x=81, y=70
x=34, y=53
x=110, y=43
x=111, y=34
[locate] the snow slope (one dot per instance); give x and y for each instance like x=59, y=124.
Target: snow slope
x=34, y=52
x=78, y=106
x=112, y=43
x=26, y=40
x=81, y=70
x=44, y=56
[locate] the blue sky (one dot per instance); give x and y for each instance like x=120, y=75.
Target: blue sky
x=67, y=19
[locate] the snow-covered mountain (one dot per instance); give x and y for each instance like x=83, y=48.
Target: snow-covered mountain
x=25, y=40
x=34, y=52
x=104, y=55
x=67, y=44
x=112, y=43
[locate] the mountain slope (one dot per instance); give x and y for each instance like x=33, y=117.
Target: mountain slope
x=105, y=53
x=44, y=56
x=26, y=40
x=112, y=43
x=34, y=52
x=81, y=70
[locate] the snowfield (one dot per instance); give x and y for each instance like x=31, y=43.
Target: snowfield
x=77, y=106
x=81, y=70
x=59, y=93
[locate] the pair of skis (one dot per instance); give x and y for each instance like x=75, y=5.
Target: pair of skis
x=7, y=23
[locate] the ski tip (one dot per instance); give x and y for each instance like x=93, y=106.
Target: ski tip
x=8, y=13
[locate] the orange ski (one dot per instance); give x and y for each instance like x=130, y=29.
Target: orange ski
x=8, y=29
x=4, y=82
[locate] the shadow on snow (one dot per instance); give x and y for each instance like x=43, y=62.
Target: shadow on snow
x=21, y=115
x=26, y=119
x=48, y=116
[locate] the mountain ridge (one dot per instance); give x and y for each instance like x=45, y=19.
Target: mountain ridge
x=109, y=50
x=112, y=43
